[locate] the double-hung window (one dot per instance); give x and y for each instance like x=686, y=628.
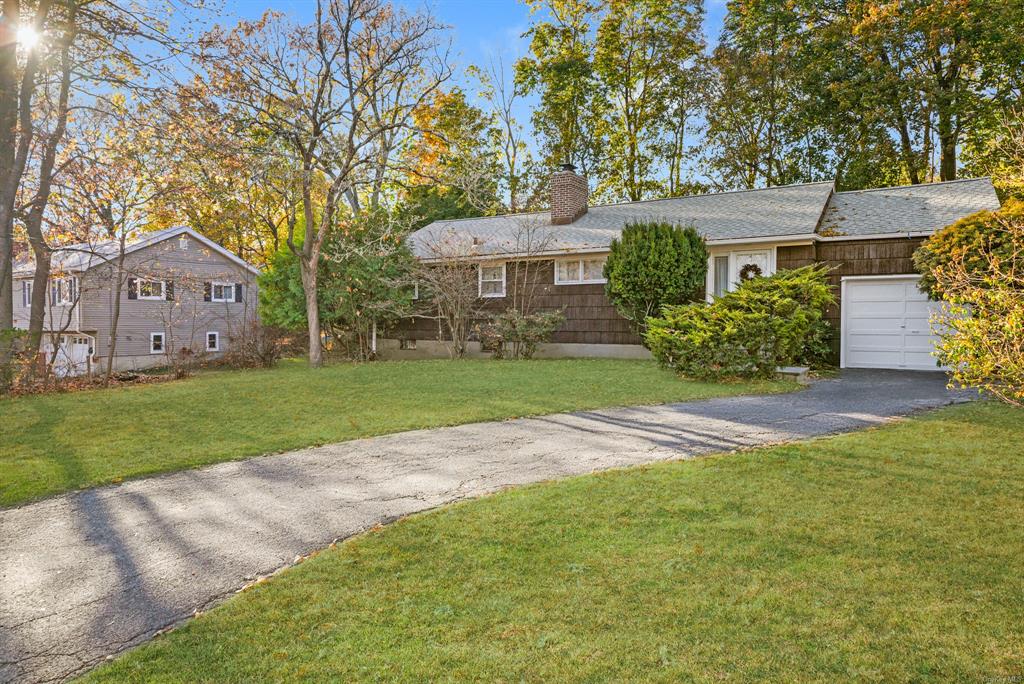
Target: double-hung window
x=62, y=291
x=156, y=343
x=492, y=280
x=26, y=293
x=580, y=271
x=151, y=289
x=212, y=341
x=222, y=292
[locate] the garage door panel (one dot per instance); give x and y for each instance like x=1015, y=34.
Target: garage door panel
x=921, y=360
x=868, y=358
x=886, y=324
x=876, y=338
x=914, y=294
x=871, y=310
x=875, y=291
x=920, y=309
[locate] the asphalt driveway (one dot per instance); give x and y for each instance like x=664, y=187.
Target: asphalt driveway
x=87, y=575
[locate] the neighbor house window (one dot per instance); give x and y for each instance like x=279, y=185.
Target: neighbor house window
x=156, y=343
x=578, y=271
x=492, y=280
x=62, y=291
x=151, y=289
x=721, y=275
x=26, y=293
x=223, y=292
x=212, y=341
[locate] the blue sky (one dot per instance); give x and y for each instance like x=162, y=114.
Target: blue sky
x=481, y=30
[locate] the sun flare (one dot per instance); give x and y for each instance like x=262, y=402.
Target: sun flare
x=28, y=37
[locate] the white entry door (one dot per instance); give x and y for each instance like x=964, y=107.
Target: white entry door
x=760, y=258
x=886, y=324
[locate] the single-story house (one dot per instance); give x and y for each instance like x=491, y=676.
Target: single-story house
x=181, y=293
x=868, y=236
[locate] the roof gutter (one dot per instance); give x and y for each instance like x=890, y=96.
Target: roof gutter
x=800, y=238
x=874, y=236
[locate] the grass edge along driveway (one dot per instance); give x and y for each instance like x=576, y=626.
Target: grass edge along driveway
x=55, y=443
x=890, y=554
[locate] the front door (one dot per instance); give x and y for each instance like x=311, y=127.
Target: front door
x=749, y=263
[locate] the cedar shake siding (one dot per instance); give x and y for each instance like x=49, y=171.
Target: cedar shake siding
x=589, y=317
x=891, y=256
x=859, y=233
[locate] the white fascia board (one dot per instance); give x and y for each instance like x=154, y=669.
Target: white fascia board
x=875, y=236
x=780, y=240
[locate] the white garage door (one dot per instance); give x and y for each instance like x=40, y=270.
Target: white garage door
x=886, y=324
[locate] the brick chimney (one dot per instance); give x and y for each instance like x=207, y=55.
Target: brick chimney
x=568, y=195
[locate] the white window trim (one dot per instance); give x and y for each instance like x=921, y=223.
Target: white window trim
x=709, y=281
x=163, y=343
x=221, y=300
x=152, y=298
x=480, y=280
x=579, y=264
x=216, y=347
x=26, y=293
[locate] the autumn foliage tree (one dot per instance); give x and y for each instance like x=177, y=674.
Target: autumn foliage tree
x=329, y=97
x=977, y=265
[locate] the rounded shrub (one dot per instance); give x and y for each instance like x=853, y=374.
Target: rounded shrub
x=654, y=264
x=765, y=323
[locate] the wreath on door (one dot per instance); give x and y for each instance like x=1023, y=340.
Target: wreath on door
x=749, y=272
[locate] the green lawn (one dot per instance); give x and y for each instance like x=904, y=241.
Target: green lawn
x=893, y=554
x=54, y=443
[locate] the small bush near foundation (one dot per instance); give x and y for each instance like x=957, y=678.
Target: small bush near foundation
x=258, y=346
x=515, y=335
x=765, y=323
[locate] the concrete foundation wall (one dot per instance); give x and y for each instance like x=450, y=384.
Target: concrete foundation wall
x=432, y=349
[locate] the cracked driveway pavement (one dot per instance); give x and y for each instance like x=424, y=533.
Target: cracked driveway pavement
x=87, y=575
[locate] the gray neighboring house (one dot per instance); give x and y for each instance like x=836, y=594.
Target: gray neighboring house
x=182, y=292
x=866, y=236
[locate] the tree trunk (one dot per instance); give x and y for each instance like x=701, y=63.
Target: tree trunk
x=40, y=292
x=115, y=315
x=947, y=147
x=309, y=287
x=34, y=220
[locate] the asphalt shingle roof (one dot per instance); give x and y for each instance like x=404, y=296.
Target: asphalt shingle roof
x=782, y=211
x=770, y=212
x=83, y=256
x=906, y=209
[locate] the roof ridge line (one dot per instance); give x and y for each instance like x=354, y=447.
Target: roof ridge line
x=714, y=194
x=914, y=185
